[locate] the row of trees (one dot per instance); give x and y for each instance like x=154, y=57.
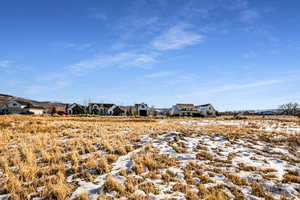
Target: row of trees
x=291, y=108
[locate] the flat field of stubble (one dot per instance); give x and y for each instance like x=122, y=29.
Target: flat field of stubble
x=44, y=157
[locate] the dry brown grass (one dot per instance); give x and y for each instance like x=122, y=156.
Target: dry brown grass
x=245, y=167
x=258, y=190
x=111, y=184
x=179, y=149
x=152, y=162
x=216, y=195
x=58, y=190
x=83, y=196
x=204, y=155
x=40, y=149
x=184, y=188
x=149, y=187
x=287, y=178
x=39, y=153
x=236, y=179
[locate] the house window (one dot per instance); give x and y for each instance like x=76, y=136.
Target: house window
x=14, y=104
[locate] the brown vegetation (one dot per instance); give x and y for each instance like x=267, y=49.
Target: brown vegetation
x=42, y=156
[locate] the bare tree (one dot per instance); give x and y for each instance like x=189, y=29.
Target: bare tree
x=289, y=108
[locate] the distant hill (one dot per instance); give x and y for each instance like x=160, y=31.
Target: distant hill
x=5, y=98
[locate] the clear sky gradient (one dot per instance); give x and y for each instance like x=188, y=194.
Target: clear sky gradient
x=235, y=54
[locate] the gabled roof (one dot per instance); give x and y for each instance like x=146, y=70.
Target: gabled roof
x=34, y=106
x=16, y=101
x=115, y=107
x=101, y=104
x=183, y=105
x=105, y=105
x=22, y=102
x=74, y=105
x=137, y=104
x=162, y=109
x=204, y=105
x=126, y=107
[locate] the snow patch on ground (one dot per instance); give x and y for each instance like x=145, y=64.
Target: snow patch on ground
x=262, y=125
x=245, y=153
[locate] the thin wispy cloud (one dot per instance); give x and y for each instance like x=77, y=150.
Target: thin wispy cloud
x=35, y=89
x=99, y=16
x=160, y=74
x=275, y=52
x=209, y=9
x=249, y=15
x=235, y=87
x=177, y=37
x=78, y=47
x=248, y=85
x=47, y=82
x=56, y=80
x=6, y=63
x=120, y=60
x=118, y=46
x=250, y=54
x=132, y=25
x=236, y=4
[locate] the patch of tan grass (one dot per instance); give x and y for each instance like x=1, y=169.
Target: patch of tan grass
x=149, y=187
x=111, y=184
x=236, y=179
x=288, y=178
x=242, y=166
x=204, y=155
x=258, y=191
x=83, y=196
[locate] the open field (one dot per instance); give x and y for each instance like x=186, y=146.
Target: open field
x=43, y=157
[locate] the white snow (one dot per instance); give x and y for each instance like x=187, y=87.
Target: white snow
x=219, y=147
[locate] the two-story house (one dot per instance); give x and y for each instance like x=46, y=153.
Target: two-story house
x=205, y=110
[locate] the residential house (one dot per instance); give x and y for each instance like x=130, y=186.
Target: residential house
x=3, y=109
x=128, y=110
x=99, y=108
x=56, y=108
x=205, y=110
x=33, y=109
x=13, y=107
x=181, y=109
x=162, y=112
x=141, y=109
x=115, y=111
x=298, y=111
x=75, y=109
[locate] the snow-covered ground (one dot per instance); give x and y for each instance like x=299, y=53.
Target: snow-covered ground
x=263, y=125
x=155, y=159
x=213, y=161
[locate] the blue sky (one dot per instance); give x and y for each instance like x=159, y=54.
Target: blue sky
x=235, y=54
